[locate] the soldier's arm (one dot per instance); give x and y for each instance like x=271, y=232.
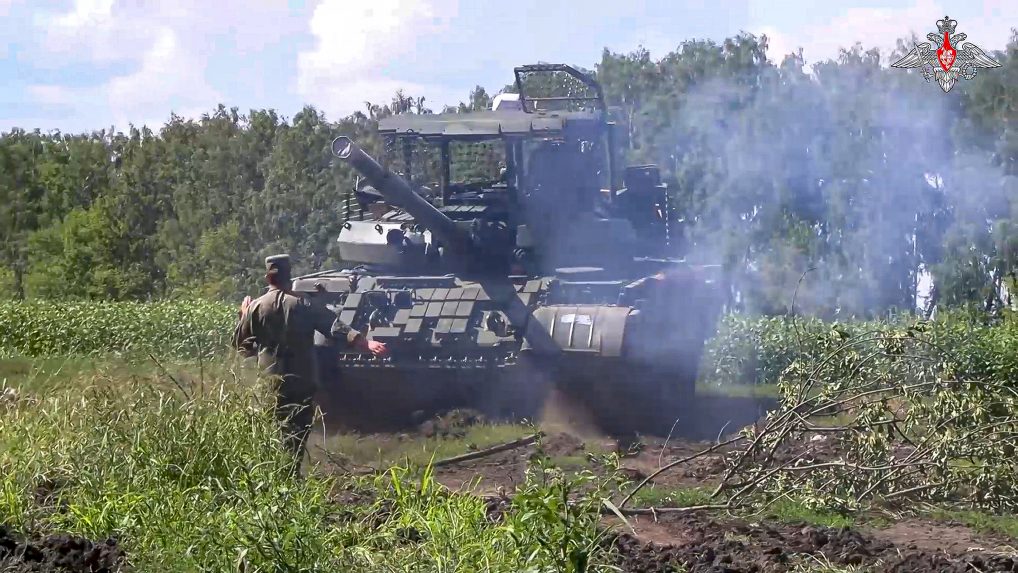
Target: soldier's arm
x=243, y=336
x=327, y=323
x=343, y=331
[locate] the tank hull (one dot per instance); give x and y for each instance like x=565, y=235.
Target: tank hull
x=626, y=366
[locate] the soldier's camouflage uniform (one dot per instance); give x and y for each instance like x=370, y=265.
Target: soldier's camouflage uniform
x=280, y=328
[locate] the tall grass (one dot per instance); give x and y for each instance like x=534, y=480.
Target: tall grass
x=197, y=480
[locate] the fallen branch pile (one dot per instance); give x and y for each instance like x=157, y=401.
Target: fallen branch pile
x=890, y=418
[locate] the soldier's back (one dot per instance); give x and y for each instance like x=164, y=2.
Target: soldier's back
x=282, y=326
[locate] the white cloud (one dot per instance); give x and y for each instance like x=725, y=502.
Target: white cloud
x=988, y=26
x=5, y=13
x=779, y=44
x=50, y=94
x=91, y=31
x=169, y=74
x=356, y=41
x=86, y=13
x=159, y=54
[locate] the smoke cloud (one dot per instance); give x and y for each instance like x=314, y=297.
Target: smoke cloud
x=853, y=173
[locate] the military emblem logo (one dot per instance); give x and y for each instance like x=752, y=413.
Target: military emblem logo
x=947, y=56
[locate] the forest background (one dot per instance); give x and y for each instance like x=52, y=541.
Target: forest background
x=873, y=182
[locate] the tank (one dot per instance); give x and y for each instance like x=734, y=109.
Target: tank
x=511, y=260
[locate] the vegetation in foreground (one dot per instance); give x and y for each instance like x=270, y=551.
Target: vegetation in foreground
x=198, y=481
x=901, y=416
x=167, y=329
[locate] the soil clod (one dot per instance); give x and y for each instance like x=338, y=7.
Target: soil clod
x=58, y=553
x=700, y=544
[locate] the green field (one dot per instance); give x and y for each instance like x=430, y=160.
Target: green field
x=111, y=428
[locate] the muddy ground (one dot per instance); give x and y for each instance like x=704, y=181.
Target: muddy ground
x=691, y=542
x=701, y=543
x=54, y=553
x=716, y=541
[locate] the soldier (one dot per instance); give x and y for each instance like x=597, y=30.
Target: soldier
x=279, y=326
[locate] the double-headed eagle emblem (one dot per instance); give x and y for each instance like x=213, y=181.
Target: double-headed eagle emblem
x=947, y=63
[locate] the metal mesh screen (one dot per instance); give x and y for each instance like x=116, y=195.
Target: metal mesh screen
x=470, y=162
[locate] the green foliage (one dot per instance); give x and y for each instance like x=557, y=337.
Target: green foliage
x=776, y=171
x=6, y=281
x=201, y=483
x=183, y=328
x=188, y=484
x=760, y=350
x=888, y=411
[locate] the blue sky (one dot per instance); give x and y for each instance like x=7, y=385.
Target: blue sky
x=78, y=65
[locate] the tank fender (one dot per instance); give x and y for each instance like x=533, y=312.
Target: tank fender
x=587, y=329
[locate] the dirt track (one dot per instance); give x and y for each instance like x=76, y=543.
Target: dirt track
x=716, y=542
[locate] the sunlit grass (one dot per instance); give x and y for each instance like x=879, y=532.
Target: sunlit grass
x=1006, y=525
x=384, y=450
x=194, y=478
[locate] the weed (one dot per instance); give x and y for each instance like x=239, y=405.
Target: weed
x=661, y=496
x=793, y=511
x=196, y=479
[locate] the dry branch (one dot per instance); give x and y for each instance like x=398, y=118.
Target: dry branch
x=525, y=441
x=675, y=463
x=655, y=511
x=917, y=427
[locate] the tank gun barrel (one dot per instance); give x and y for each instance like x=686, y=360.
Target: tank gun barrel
x=396, y=190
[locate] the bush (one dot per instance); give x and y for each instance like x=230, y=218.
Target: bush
x=757, y=350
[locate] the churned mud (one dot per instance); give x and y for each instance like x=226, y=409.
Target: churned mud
x=704, y=541
x=700, y=543
x=58, y=553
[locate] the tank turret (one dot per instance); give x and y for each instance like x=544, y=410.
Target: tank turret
x=399, y=193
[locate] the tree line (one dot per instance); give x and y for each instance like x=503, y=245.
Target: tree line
x=846, y=182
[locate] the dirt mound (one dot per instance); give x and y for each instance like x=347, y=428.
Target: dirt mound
x=701, y=544
x=58, y=553
x=561, y=444
x=451, y=424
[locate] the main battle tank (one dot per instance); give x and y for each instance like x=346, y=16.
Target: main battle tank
x=548, y=276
